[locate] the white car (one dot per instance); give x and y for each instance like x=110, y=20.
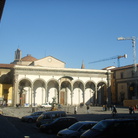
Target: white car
x=46, y=105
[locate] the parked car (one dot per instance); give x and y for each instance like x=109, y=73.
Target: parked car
x=49, y=116
x=75, y=130
x=46, y=105
x=113, y=128
x=58, y=124
x=32, y=117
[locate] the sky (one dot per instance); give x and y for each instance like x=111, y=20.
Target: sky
x=73, y=31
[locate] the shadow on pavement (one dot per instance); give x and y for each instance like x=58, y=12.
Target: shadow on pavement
x=98, y=117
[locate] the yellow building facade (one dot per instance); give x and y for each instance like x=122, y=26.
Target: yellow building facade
x=6, y=94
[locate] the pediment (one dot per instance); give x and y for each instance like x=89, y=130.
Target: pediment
x=49, y=61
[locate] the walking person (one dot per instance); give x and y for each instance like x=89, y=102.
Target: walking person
x=114, y=111
x=131, y=110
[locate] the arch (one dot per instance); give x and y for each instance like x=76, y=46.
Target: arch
x=78, y=92
x=40, y=79
x=27, y=79
x=52, y=80
x=90, y=81
x=65, y=92
x=52, y=90
x=39, y=92
x=90, y=89
x=66, y=77
x=101, y=93
x=24, y=93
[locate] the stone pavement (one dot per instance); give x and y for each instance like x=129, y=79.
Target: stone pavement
x=94, y=112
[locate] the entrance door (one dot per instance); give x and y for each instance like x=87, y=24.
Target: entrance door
x=23, y=99
x=62, y=97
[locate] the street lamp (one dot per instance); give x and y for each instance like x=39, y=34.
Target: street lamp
x=134, y=49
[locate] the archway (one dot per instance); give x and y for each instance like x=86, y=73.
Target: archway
x=78, y=93
x=39, y=93
x=90, y=93
x=52, y=90
x=65, y=93
x=101, y=93
x=24, y=92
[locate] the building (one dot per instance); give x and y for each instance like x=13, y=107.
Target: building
x=5, y=83
x=36, y=81
x=124, y=84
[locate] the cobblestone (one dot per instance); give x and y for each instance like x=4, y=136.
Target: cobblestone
x=95, y=112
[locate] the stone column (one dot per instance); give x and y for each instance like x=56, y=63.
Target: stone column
x=59, y=86
x=83, y=94
x=71, y=95
x=95, y=95
x=66, y=93
x=15, y=94
x=31, y=91
x=108, y=88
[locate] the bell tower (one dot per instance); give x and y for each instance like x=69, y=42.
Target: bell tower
x=17, y=55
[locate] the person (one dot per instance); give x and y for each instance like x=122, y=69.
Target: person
x=88, y=109
x=17, y=105
x=75, y=110
x=114, y=111
x=131, y=110
x=104, y=107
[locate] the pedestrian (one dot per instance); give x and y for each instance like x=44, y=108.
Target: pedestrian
x=103, y=107
x=88, y=109
x=114, y=111
x=75, y=110
x=131, y=110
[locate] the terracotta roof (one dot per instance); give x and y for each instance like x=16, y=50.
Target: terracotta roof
x=109, y=67
x=28, y=58
x=125, y=67
x=6, y=66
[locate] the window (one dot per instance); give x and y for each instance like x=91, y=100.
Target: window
x=133, y=73
x=122, y=75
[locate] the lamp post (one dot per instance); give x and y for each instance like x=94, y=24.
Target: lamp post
x=133, y=39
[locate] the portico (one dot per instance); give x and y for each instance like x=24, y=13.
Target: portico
x=37, y=85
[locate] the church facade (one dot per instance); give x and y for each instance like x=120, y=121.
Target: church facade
x=37, y=81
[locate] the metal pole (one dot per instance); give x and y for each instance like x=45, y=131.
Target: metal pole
x=134, y=54
x=135, y=65
x=134, y=60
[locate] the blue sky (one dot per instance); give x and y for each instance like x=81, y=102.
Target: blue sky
x=69, y=30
